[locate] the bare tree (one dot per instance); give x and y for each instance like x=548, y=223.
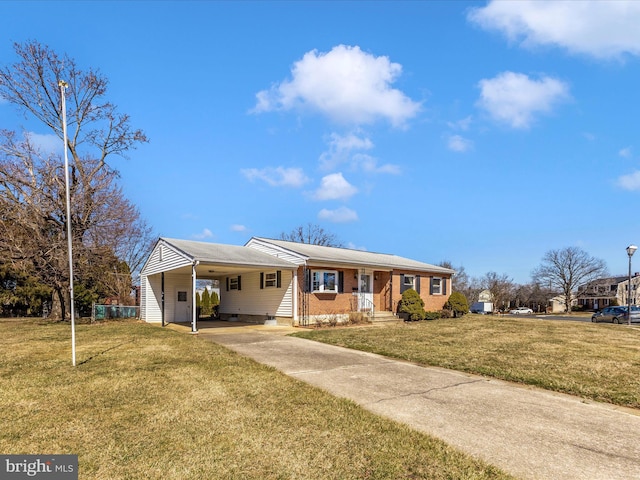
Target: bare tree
x=565, y=269
x=32, y=192
x=460, y=282
x=312, y=234
x=531, y=295
x=501, y=288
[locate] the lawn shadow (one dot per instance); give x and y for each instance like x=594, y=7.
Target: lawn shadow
x=92, y=357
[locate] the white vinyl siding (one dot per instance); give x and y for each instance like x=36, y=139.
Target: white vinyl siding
x=174, y=283
x=252, y=300
x=171, y=259
x=151, y=298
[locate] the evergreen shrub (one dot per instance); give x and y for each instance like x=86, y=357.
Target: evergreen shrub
x=412, y=305
x=457, y=304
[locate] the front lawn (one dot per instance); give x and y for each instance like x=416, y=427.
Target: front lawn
x=150, y=403
x=596, y=361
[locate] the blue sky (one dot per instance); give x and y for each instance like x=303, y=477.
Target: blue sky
x=482, y=133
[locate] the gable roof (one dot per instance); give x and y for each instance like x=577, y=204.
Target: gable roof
x=217, y=253
x=606, y=281
x=321, y=254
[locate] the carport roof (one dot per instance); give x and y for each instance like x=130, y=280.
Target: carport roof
x=220, y=254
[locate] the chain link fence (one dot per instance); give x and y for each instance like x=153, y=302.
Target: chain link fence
x=108, y=312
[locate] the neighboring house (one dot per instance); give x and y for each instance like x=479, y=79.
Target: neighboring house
x=603, y=292
x=557, y=304
x=292, y=283
x=485, y=296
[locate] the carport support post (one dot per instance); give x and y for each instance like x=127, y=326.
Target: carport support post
x=162, y=298
x=194, y=327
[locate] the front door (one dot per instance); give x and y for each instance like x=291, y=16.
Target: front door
x=183, y=307
x=365, y=295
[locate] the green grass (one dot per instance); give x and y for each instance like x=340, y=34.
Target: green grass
x=596, y=361
x=150, y=403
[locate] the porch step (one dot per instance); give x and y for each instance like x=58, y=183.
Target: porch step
x=385, y=317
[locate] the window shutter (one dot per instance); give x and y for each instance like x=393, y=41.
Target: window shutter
x=444, y=286
x=403, y=287
x=418, y=283
x=307, y=281
x=261, y=280
x=239, y=284
x=227, y=284
x=340, y=282
x=431, y=286
x=278, y=279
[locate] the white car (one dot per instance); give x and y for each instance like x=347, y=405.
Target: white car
x=521, y=310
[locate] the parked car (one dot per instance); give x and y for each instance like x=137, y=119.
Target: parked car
x=616, y=315
x=520, y=311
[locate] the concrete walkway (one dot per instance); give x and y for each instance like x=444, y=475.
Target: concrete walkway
x=530, y=433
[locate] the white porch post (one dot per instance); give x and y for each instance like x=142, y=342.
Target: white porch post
x=194, y=327
x=295, y=297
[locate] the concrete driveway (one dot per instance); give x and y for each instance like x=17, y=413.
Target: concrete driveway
x=530, y=433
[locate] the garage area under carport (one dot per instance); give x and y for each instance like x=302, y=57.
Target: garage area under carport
x=253, y=285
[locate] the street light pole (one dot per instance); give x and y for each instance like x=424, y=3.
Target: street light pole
x=631, y=249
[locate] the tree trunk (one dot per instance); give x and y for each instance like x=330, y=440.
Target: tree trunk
x=58, y=304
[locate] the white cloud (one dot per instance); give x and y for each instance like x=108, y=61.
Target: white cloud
x=348, y=149
x=458, y=143
x=277, y=177
x=461, y=124
x=625, y=152
x=353, y=246
x=339, y=215
x=334, y=187
x=47, y=143
x=630, y=182
x=340, y=148
x=206, y=233
x=346, y=84
x=515, y=99
x=369, y=164
x=238, y=228
x=602, y=29
x=350, y=142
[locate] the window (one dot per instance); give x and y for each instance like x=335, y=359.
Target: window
x=409, y=281
x=182, y=296
x=324, y=281
x=365, y=283
x=436, y=286
x=233, y=283
x=270, y=279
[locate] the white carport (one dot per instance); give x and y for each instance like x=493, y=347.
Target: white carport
x=253, y=283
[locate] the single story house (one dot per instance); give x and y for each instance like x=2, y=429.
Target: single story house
x=285, y=282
